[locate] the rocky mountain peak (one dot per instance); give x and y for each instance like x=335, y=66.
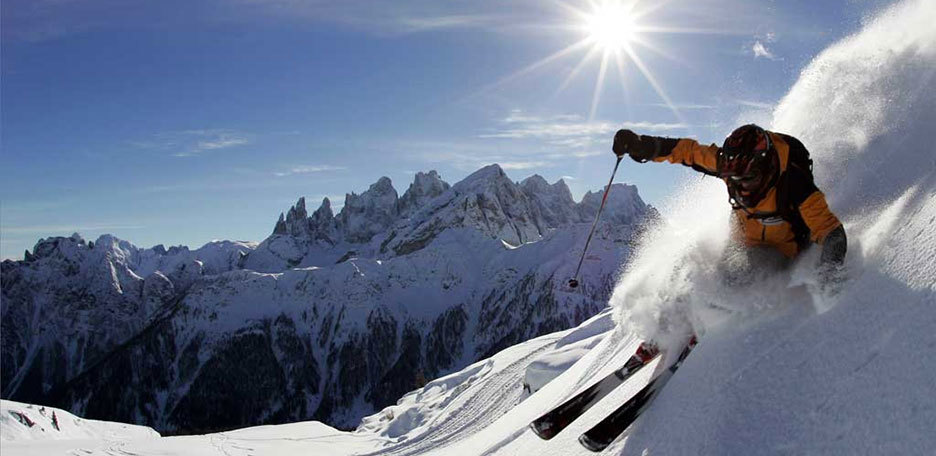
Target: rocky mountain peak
x=299, y=210
x=324, y=211
x=537, y=185
x=535, y=182
x=424, y=188
x=322, y=224
x=297, y=222
x=47, y=247
x=623, y=204
x=486, y=177
x=294, y=223
x=369, y=213
x=561, y=188
x=553, y=202
x=486, y=200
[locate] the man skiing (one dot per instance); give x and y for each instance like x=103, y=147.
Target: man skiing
x=776, y=205
x=770, y=188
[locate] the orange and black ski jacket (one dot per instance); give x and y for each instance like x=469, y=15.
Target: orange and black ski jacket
x=792, y=214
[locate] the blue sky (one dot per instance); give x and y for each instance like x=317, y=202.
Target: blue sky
x=179, y=122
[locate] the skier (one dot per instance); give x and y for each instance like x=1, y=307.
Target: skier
x=770, y=188
x=776, y=205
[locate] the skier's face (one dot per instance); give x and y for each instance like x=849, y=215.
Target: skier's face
x=747, y=183
x=743, y=175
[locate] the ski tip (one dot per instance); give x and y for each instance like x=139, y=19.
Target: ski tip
x=647, y=350
x=591, y=445
x=541, y=433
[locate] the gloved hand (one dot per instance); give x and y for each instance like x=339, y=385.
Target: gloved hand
x=832, y=279
x=640, y=148
x=831, y=270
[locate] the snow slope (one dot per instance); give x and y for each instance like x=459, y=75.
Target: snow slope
x=33, y=429
x=782, y=367
x=22, y=422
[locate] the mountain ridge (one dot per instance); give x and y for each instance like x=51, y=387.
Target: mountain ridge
x=342, y=313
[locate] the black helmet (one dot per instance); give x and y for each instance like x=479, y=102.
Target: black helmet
x=748, y=163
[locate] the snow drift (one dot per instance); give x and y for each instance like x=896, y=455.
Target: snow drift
x=22, y=423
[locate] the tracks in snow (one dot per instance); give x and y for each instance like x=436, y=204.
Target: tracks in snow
x=484, y=402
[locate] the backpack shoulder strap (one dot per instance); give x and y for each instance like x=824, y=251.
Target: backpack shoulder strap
x=798, y=155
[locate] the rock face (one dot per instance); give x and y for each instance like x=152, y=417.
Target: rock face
x=426, y=187
x=331, y=317
x=369, y=213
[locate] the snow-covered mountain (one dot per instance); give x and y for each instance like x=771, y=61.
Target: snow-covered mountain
x=782, y=367
x=25, y=423
x=331, y=317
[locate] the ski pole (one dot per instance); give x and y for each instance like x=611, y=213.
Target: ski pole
x=573, y=282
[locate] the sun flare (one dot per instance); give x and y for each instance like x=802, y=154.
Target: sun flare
x=615, y=34
x=611, y=26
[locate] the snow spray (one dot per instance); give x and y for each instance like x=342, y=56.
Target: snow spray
x=865, y=109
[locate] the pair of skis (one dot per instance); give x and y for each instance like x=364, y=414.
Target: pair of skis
x=607, y=430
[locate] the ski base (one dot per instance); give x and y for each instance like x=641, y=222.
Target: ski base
x=553, y=422
x=609, y=429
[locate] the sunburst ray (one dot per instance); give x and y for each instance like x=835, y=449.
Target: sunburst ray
x=599, y=84
x=575, y=71
x=653, y=83
x=533, y=67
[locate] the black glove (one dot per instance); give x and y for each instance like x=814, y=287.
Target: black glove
x=831, y=268
x=834, y=247
x=640, y=148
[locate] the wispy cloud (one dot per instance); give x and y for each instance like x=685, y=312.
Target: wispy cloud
x=684, y=106
x=308, y=169
x=186, y=143
x=467, y=155
x=392, y=17
x=535, y=141
x=59, y=229
x=755, y=104
x=419, y=24
x=524, y=164
x=653, y=126
x=221, y=143
x=262, y=181
x=568, y=131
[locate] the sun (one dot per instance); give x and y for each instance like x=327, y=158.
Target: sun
x=615, y=34
x=610, y=26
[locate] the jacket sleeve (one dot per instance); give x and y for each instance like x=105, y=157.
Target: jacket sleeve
x=690, y=153
x=818, y=217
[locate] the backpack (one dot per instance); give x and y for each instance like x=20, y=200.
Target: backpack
x=798, y=155
x=794, y=185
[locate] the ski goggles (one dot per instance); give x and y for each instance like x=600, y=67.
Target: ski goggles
x=748, y=182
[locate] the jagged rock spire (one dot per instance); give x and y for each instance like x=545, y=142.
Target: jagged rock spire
x=369, y=213
x=424, y=188
x=487, y=200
